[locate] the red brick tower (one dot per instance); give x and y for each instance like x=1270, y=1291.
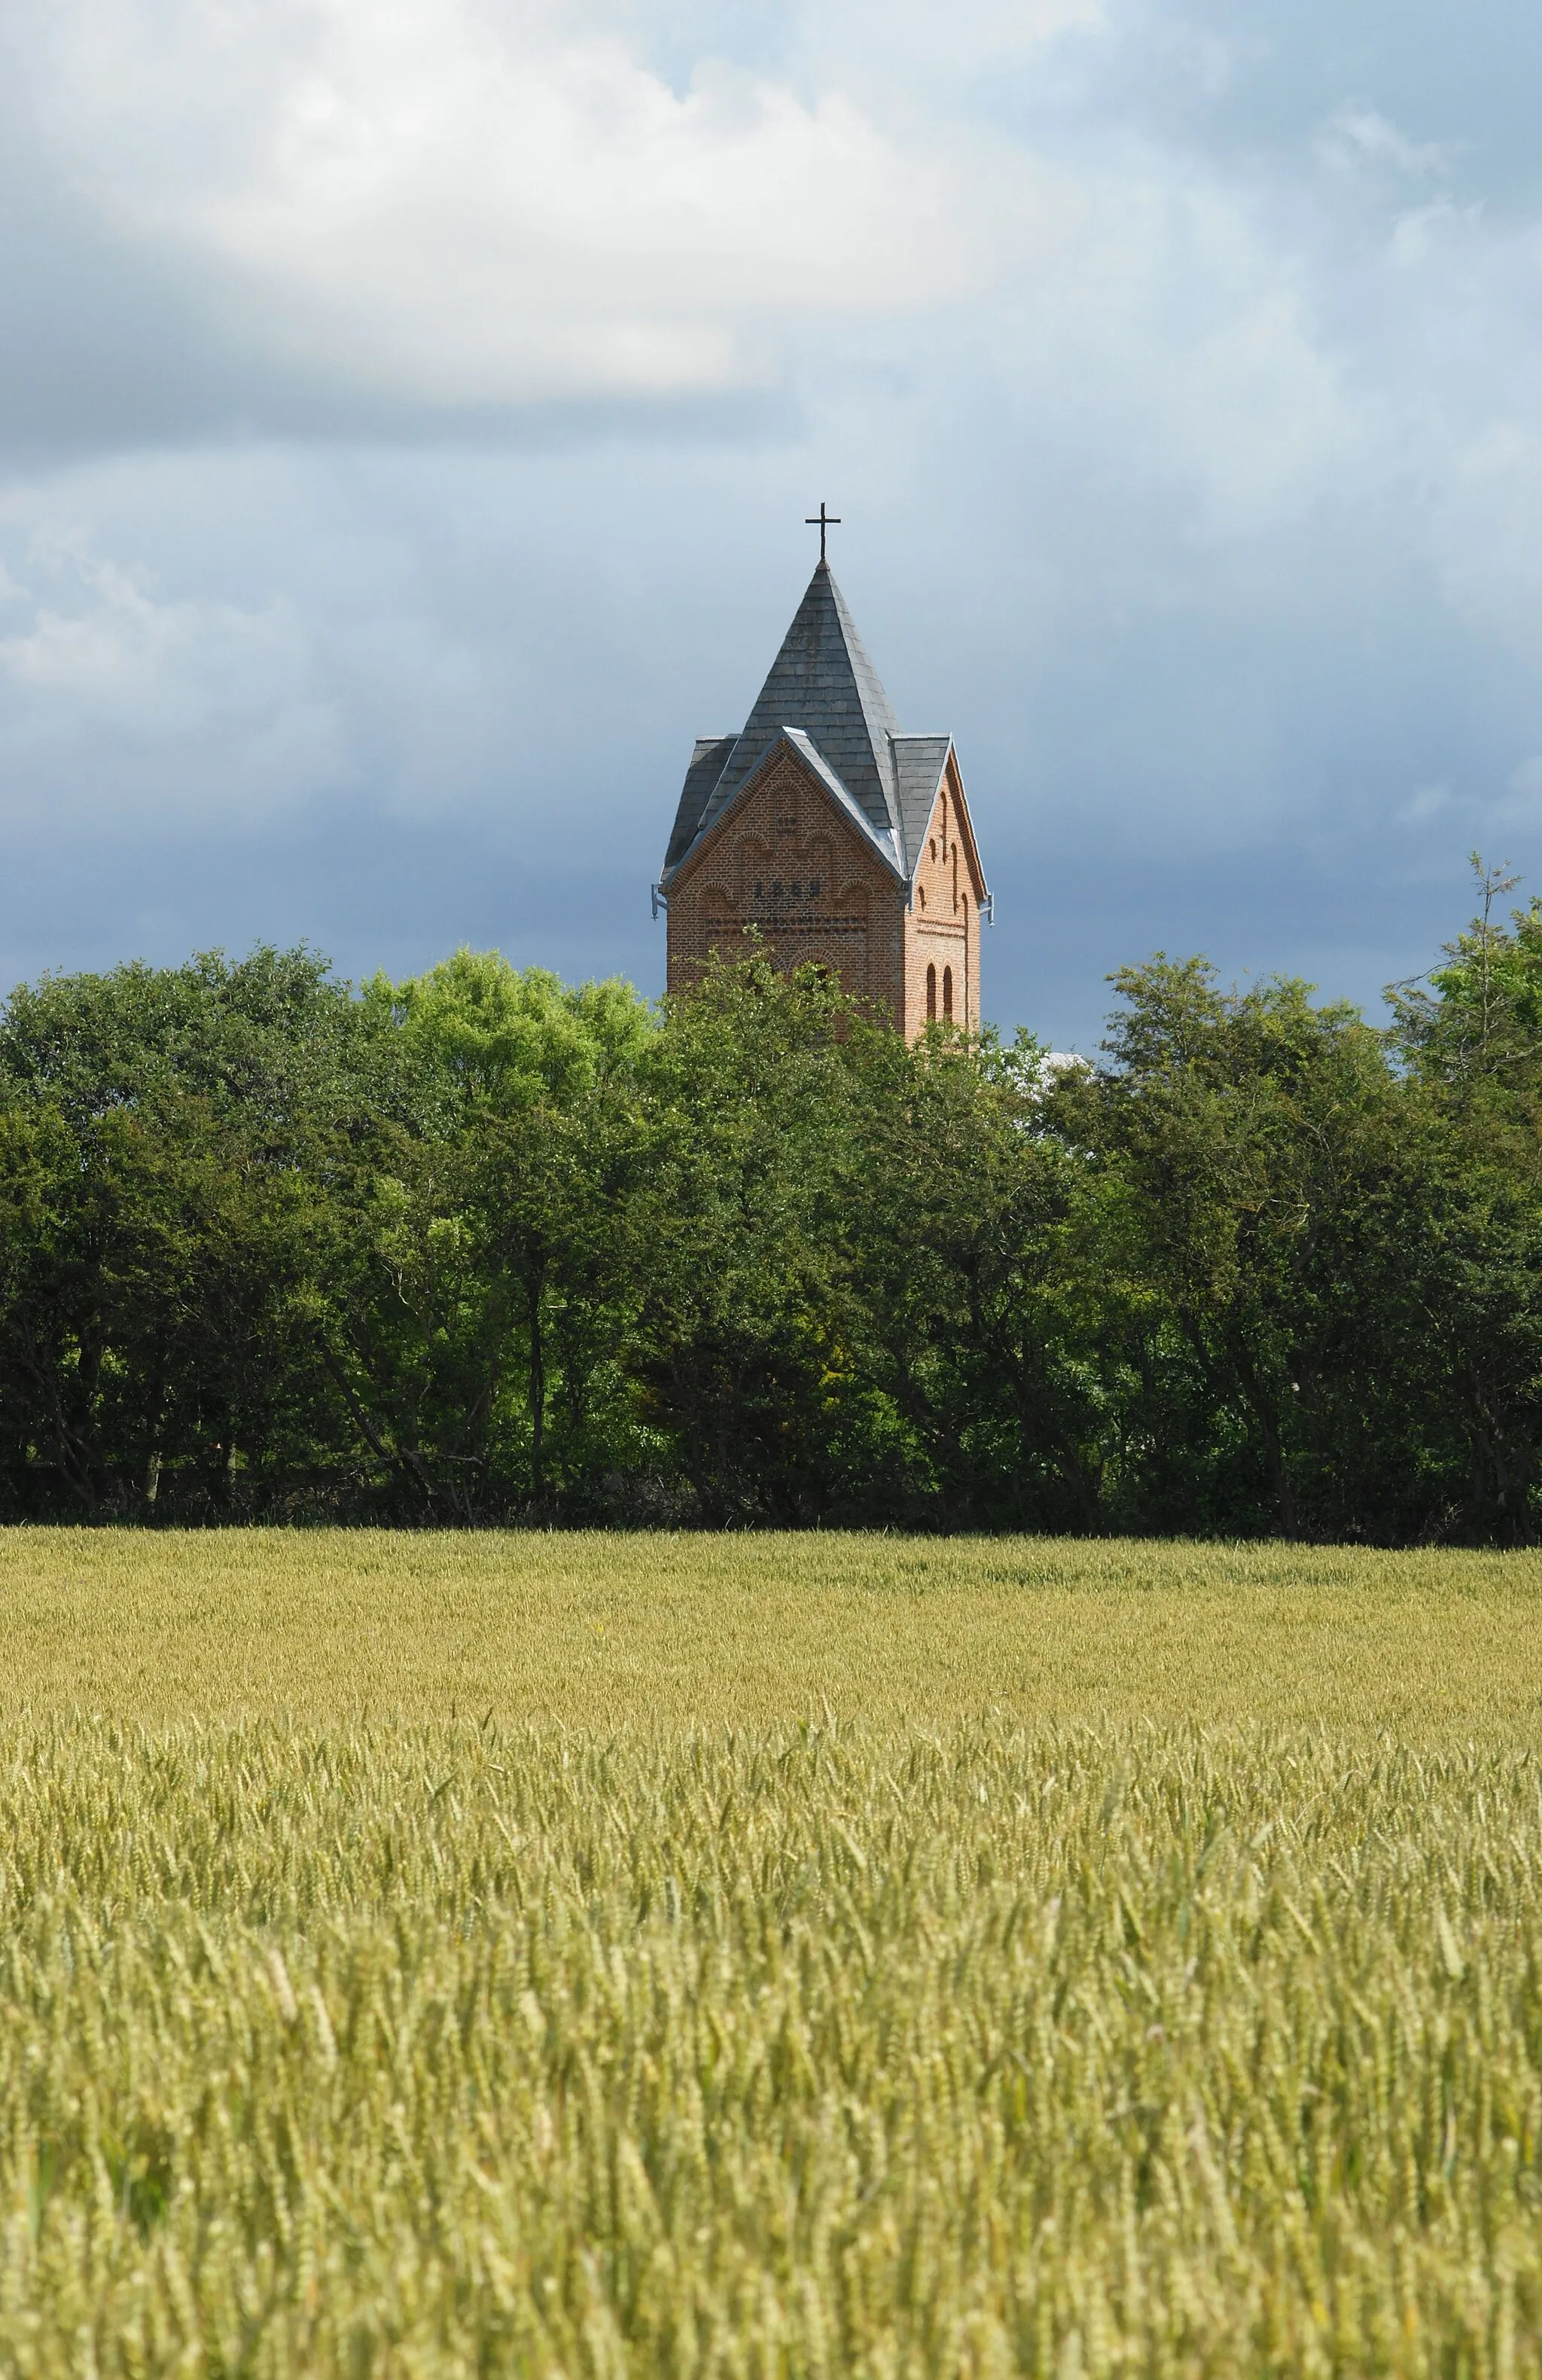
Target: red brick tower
x=838, y=838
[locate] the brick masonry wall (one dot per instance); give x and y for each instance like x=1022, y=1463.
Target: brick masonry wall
x=942, y=930
x=786, y=861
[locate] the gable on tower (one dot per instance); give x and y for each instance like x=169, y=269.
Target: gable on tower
x=742, y=852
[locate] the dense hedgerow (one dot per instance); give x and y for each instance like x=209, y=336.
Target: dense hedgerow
x=479, y=1247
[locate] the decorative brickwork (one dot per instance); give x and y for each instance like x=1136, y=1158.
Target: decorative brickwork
x=869, y=869
x=785, y=861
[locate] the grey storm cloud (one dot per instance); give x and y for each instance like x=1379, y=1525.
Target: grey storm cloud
x=407, y=417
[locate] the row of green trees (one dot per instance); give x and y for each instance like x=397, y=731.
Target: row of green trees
x=480, y=1247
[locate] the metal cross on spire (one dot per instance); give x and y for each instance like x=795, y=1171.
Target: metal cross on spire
x=822, y=520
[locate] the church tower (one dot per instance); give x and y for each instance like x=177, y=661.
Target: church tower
x=839, y=839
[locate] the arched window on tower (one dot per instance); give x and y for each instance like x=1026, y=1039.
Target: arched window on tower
x=947, y=995
x=931, y=995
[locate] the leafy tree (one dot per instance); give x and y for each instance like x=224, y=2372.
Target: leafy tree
x=1477, y=1027
x=985, y=1245
x=1261, y=1167
x=492, y=1282
x=1471, y=1041
x=748, y=1314
x=162, y=1325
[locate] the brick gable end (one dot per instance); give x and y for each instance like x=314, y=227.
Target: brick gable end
x=785, y=863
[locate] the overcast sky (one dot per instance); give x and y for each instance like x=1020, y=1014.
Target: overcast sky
x=408, y=409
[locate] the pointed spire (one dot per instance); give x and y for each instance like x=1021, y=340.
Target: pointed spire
x=822, y=682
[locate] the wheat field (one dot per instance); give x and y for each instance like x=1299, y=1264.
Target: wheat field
x=596, y=1630
x=766, y=1955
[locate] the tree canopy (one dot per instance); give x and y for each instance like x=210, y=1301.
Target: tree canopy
x=480, y=1246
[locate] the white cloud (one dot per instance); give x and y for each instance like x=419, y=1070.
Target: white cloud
x=1358, y=137
x=176, y=709
x=1158, y=321
x=469, y=203
x=1420, y=236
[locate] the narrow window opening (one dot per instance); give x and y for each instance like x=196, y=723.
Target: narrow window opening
x=947, y=995
x=931, y=995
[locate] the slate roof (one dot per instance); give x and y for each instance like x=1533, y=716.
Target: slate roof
x=706, y=767
x=919, y=762
x=823, y=691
